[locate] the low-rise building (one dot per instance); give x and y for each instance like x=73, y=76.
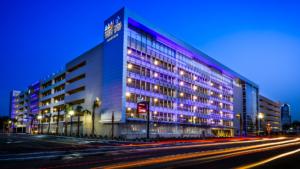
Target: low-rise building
x=270, y=120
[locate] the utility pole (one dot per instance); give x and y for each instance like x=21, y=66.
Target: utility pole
x=148, y=122
x=71, y=128
x=112, y=124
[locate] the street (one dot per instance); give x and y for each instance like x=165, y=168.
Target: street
x=65, y=152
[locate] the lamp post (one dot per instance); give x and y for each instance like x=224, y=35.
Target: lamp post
x=71, y=113
x=39, y=117
x=260, y=117
x=9, y=124
x=240, y=123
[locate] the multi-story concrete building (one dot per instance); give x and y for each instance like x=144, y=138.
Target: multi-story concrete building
x=271, y=118
x=190, y=93
x=19, y=110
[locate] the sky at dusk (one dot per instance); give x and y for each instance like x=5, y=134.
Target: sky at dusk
x=258, y=39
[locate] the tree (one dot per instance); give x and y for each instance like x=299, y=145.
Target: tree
x=78, y=113
x=13, y=121
x=67, y=108
x=32, y=118
x=57, y=122
x=49, y=122
x=97, y=103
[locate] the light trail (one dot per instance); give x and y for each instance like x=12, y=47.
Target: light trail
x=145, y=149
x=207, y=145
x=171, y=158
x=269, y=159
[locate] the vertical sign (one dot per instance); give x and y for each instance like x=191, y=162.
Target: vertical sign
x=113, y=26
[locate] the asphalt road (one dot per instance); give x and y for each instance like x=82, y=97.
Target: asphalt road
x=59, y=152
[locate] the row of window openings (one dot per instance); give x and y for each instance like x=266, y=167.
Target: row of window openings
x=62, y=77
x=135, y=83
x=132, y=97
x=165, y=65
x=57, y=89
x=62, y=87
x=148, y=73
x=53, y=81
x=56, y=100
x=169, y=117
x=171, y=92
x=171, y=68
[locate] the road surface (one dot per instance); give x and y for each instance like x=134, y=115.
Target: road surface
x=50, y=152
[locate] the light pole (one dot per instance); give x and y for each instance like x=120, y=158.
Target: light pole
x=260, y=117
x=71, y=113
x=39, y=117
x=240, y=123
x=9, y=124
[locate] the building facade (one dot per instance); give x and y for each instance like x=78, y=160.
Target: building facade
x=271, y=116
x=286, y=119
x=190, y=94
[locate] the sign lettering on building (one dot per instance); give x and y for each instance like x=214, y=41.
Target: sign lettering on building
x=112, y=27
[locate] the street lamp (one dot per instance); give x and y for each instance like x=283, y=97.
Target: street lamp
x=260, y=117
x=238, y=116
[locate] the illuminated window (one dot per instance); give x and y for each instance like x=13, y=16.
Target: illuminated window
x=195, y=77
x=181, y=105
x=129, y=80
x=181, y=115
x=155, y=112
x=155, y=74
x=155, y=87
x=195, y=87
x=195, y=97
x=155, y=100
x=211, y=83
x=195, y=108
x=128, y=94
x=181, y=94
x=129, y=109
x=156, y=62
x=129, y=66
x=181, y=83
x=129, y=51
x=181, y=72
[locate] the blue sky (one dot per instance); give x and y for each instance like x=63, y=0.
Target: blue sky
x=258, y=39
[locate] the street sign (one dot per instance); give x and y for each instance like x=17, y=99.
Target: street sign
x=142, y=107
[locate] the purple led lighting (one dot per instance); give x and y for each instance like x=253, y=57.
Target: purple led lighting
x=178, y=47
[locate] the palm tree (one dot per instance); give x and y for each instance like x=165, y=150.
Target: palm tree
x=57, y=122
x=14, y=121
x=32, y=118
x=78, y=112
x=49, y=122
x=67, y=108
x=97, y=103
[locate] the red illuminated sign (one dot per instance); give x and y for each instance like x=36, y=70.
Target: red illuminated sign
x=142, y=107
